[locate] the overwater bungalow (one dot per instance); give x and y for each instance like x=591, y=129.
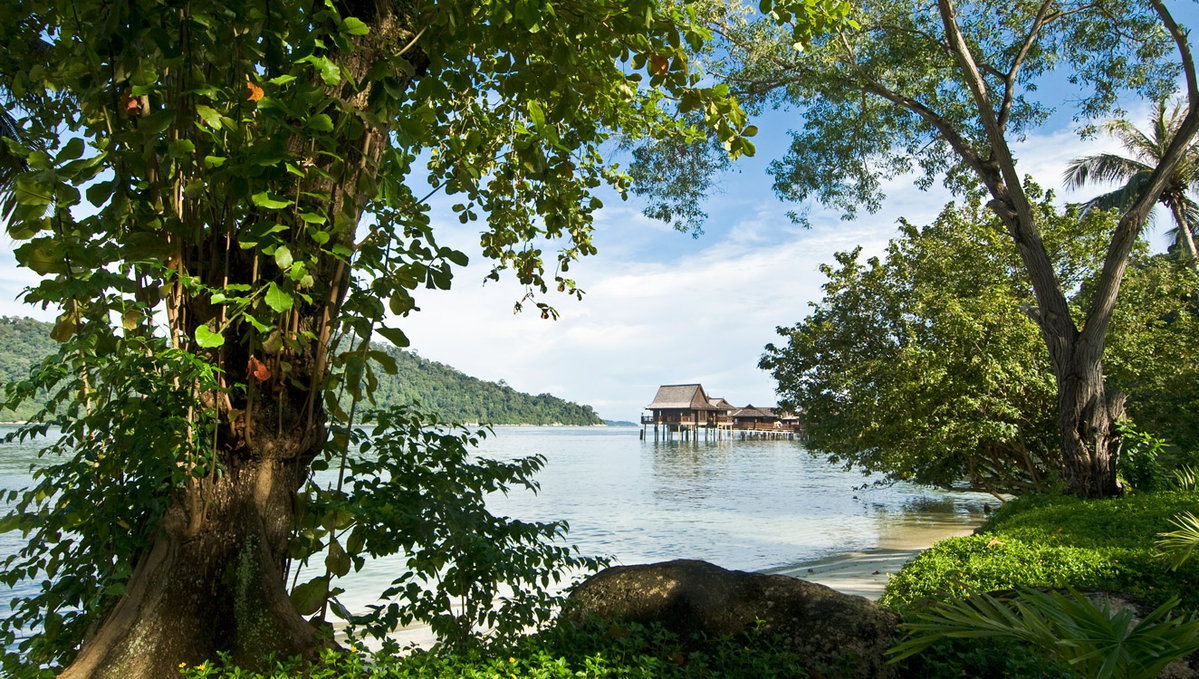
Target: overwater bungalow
x=687, y=410
x=751, y=415
x=683, y=405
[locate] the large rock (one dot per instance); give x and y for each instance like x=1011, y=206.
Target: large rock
x=842, y=633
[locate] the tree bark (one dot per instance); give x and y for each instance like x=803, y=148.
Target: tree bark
x=218, y=588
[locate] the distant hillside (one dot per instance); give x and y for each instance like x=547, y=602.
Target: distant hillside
x=438, y=387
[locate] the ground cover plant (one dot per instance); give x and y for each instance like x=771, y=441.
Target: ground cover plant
x=597, y=651
x=1056, y=541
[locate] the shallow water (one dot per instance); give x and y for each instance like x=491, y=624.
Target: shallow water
x=749, y=505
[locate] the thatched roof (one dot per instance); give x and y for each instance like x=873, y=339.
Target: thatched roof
x=720, y=403
x=680, y=397
x=751, y=411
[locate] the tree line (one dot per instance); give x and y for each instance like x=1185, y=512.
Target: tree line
x=455, y=396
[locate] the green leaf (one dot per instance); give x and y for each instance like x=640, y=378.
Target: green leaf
x=401, y=303
x=308, y=597
x=63, y=329
x=209, y=116
x=208, y=339
x=29, y=192
x=536, y=114
x=354, y=26
x=387, y=362
x=321, y=122
x=277, y=299
x=329, y=71
x=41, y=256
x=155, y=123
x=396, y=337
x=283, y=257
x=73, y=149
x=337, y=561
x=265, y=200
x=457, y=257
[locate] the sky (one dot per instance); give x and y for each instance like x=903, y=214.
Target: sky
x=660, y=306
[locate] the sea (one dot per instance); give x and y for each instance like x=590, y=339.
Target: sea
x=758, y=505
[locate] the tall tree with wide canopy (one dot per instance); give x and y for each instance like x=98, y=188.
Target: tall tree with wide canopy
x=229, y=189
x=1132, y=171
x=945, y=89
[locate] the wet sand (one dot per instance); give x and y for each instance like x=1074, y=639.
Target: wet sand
x=865, y=573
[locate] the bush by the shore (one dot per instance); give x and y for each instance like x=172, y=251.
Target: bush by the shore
x=1044, y=541
x=1057, y=541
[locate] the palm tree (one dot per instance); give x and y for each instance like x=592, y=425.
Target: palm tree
x=11, y=164
x=1145, y=152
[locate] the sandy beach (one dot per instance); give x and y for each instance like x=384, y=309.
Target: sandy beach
x=865, y=573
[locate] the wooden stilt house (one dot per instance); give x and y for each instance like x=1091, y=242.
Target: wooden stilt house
x=683, y=404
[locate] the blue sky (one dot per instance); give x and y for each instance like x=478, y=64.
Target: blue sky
x=662, y=307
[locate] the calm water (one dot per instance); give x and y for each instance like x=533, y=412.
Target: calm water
x=750, y=505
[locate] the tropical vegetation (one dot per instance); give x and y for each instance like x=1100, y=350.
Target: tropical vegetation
x=925, y=365
x=1146, y=150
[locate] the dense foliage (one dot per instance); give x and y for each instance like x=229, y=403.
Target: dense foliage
x=1054, y=541
x=24, y=342
x=457, y=397
x=925, y=365
x=454, y=396
x=1047, y=541
x=608, y=652
x=944, y=90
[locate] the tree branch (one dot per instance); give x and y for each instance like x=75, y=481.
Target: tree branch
x=1044, y=16
x=1108, y=287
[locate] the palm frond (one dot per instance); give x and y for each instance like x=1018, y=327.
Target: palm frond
x=1103, y=167
x=1140, y=145
x=11, y=163
x=1093, y=639
x=1186, y=478
x=1178, y=545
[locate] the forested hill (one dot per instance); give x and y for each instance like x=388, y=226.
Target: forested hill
x=462, y=398
x=454, y=396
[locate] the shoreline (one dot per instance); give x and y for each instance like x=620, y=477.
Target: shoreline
x=866, y=572
x=859, y=573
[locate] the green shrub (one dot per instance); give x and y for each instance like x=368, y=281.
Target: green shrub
x=1055, y=541
x=599, y=652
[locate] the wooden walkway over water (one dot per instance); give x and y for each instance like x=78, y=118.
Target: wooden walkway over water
x=718, y=431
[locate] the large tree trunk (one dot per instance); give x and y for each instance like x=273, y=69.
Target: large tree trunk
x=1087, y=418
x=213, y=581
x=213, y=587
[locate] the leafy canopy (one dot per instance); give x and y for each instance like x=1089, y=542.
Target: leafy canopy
x=924, y=365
